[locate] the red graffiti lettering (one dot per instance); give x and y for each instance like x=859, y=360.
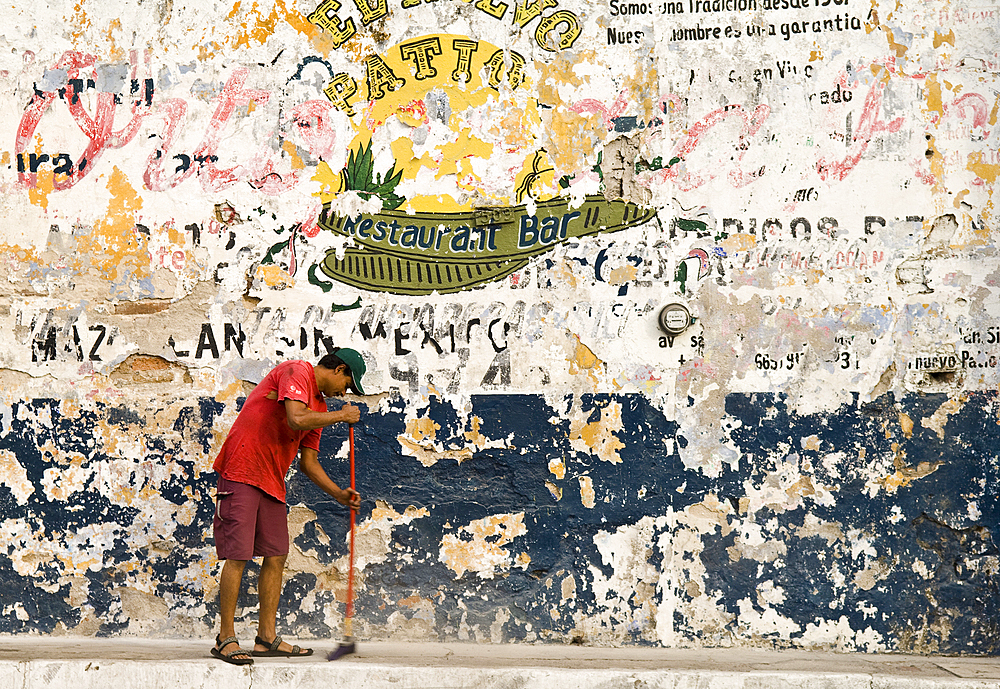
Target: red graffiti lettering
x=98, y=128
x=977, y=103
x=313, y=121
x=233, y=94
x=608, y=114
x=869, y=125
x=737, y=176
x=155, y=178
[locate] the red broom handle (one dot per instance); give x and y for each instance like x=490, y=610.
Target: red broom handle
x=350, y=571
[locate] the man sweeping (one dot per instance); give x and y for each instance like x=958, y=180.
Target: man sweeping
x=280, y=419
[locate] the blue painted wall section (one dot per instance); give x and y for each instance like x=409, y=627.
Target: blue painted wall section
x=898, y=562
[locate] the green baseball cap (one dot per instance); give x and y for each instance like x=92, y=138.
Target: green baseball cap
x=353, y=359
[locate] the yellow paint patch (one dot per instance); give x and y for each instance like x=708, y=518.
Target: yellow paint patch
x=253, y=27
x=274, y=277
x=937, y=421
x=623, y=275
x=479, y=546
x=536, y=178
x=114, y=247
x=906, y=423
x=419, y=429
x=986, y=171
x=330, y=183
x=402, y=153
x=115, y=52
x=15, y=477
x=905, y=475
x=587, y=495
x=738, y=242
x=19, y=254
x=474, y=436
x=558, y=468
x=38, y=193
x=457, y=155
x=80, y=23
x=811, y=443
x=583, y=360
x=598, y=437
x=936, y=162
x=932, y=95
x=942, y=38
x=419, y=442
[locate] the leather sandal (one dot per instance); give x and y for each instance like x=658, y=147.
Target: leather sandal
x=239, y=656
x=273, y=651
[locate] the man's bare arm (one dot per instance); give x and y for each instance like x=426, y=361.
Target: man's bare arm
x=309, y=463
x=302, y=418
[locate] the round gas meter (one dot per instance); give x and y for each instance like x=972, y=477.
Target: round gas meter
x=674, y=319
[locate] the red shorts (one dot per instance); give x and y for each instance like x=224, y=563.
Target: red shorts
x=248, y=522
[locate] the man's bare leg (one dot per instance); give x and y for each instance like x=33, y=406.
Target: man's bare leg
x=272, y=570
x=229, y=591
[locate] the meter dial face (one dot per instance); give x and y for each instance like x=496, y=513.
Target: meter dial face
x=674, y=319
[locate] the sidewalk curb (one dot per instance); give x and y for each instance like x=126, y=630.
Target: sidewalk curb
x=213, y=674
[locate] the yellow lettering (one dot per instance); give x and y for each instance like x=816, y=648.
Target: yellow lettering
x=463, y=66
x=325, y=17
x=515, y=71
x=496, y=11
x=422, y=53
x=380, y=77
x=340, y=88
x=370, y=13
x=530, y=9
x=566, y=39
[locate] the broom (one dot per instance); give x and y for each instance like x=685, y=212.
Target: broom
x=347, y=645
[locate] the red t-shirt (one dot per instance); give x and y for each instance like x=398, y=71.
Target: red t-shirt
x=261, y=446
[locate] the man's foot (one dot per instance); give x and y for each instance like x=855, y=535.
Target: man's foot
x=278, y=648
x=229, y=650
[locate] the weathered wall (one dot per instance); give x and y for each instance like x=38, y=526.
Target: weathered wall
x=494, y=200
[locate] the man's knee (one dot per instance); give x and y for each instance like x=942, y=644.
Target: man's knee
x=235, y=565
x=275, y=561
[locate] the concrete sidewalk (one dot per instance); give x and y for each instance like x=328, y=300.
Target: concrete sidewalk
x=54, y=663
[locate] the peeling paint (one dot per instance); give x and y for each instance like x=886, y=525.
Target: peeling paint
x=495, y=203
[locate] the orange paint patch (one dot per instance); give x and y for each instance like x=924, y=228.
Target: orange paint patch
x=114, y=247
x=984, y=170
x=38, y=193
x=254, y=27
x=932, y=95
x=738, y=242
x=293, y=155
x=583, y=359
x=115, y=52
x=420, y=429
x=940, y=38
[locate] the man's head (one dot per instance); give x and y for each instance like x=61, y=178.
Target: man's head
x=343, y=368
